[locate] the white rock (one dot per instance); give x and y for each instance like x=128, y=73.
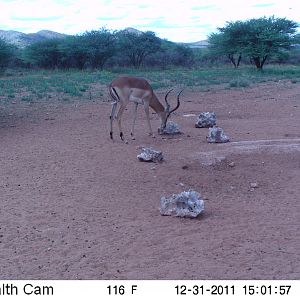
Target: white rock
x=171, y=128
x=186, y=204
x=150, y=155
x=217, y=135
x=254, y=185
x=206, y=120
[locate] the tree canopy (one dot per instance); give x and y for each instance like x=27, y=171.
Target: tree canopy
x=137, y=46
x=258, y=39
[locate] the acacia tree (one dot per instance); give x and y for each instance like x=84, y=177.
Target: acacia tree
x=137, y=45
x=266, y=37
x=228, y=42
x=259, y=39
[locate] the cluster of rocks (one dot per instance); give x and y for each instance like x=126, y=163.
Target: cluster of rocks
x=188, y=203
x=185, y=204
x=215, y=134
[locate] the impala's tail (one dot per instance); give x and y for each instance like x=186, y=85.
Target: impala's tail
x=115, y=97
x=113, y=94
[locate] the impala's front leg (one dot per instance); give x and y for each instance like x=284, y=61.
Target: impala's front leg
x=146, y=106
x=134, y=118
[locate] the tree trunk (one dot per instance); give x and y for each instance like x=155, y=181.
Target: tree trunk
x=231, y=57
x=263, y=61
x=239, y=60
x=257, y=62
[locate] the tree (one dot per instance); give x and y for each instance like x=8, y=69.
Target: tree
x=74, y=53
x=100, y=46
x=228, y=42
x=266, y=37
x=136, y=46
x=6, y=53
x=259, y=39
x=45, y=54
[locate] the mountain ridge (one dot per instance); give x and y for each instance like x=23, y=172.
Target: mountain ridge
x=22, y=40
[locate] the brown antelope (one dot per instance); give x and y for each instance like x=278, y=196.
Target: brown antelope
x=127, y=89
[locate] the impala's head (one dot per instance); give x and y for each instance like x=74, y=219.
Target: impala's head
x=167, y=111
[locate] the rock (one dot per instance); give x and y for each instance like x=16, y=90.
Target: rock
x=150, y=155
x=217, y=135
x=206, y=120
x=253, y=185
x=186, y=204
x=231, y=164
x=171, y=128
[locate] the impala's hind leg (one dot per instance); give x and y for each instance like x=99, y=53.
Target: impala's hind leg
x=111, y=117
x=119, y=117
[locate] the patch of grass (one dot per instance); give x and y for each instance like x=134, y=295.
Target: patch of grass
x=239, y=83
x=26, y=99
x=47, y=85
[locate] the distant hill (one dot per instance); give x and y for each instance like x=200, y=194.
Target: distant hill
x=200, y=44
x=133, y=30
x=22, y=40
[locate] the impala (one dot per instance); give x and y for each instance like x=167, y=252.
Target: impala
x=127, y=89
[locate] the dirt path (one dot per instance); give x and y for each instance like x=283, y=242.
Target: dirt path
x=75, y=205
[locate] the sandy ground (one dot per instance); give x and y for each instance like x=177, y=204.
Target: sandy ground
x=75, y=205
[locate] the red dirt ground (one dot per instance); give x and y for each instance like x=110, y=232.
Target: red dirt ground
x=75, y=205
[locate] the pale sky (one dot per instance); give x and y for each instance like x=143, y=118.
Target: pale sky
x=175, y=20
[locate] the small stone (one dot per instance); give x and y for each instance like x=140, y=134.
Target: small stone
x=181, y=184
x=206, y=120
x=254, y=185
x=217, y=135
x=231, y=164
x=150, y=155
x=186, y=204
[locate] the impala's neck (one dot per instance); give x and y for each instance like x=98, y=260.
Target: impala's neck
x=159, y=109
x=156, y=105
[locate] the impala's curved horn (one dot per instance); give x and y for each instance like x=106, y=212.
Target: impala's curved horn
x=166, y=99
x=178, y=104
